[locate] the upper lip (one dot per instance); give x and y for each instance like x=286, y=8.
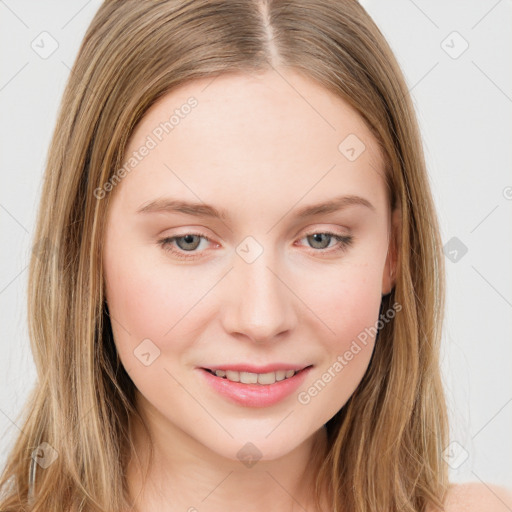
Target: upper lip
x=256, y=369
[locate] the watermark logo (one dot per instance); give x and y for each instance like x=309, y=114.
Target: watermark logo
x=44, y=45
x=455, y=455
x=249, y=455
x=454, y=45
x=351, y=147
x=455, y=249
x=45, y=455
x=249, y=249
x=146, y=352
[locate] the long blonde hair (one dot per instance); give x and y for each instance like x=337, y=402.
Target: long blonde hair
x=386, y=444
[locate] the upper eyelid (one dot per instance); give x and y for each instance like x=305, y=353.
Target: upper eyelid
x=304, y=234
x=304, y=231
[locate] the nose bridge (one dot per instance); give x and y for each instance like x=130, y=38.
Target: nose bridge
x=260, y=304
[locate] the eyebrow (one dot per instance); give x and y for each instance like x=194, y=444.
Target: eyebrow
x=171, y=205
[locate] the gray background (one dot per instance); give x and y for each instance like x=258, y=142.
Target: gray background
x=463, y=101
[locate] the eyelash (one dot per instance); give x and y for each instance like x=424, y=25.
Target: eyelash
x=344, y=242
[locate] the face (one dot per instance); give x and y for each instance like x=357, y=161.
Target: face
x=270, y=284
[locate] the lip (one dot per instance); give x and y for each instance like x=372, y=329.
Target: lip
x=256, y=369
x=255, y=395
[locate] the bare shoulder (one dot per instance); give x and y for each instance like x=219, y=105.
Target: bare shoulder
x=477, y=497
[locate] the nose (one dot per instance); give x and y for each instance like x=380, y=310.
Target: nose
x=260, y=304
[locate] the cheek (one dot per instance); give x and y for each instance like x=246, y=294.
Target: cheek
x=146, y=302
x=151, y=312
x=143, y=303
x=350, y=301
x=349, y=310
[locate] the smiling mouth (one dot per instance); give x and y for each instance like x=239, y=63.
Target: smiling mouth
x=255, y=378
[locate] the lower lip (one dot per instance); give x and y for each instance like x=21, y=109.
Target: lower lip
x=255, y=395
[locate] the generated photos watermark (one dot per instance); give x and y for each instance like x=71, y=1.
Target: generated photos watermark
x=151, y=142
x=305, y=397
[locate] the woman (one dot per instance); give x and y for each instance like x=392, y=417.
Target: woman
x=238, y=298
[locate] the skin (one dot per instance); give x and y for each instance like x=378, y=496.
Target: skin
x=261, y=146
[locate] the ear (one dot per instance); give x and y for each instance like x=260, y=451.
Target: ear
x=391, y=265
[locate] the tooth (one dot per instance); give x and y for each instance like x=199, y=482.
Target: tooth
x=280, y=375
x=248, y=378
x=266, y=378
x=233, y=376
x=255, y=378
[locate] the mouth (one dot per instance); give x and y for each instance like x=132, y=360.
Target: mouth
x=255, y=389
x=244, y=376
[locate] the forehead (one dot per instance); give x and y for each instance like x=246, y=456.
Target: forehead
x=273, y=136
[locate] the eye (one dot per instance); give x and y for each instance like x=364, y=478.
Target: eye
x=187, y=243
x=179, y=246
x=318, y=239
